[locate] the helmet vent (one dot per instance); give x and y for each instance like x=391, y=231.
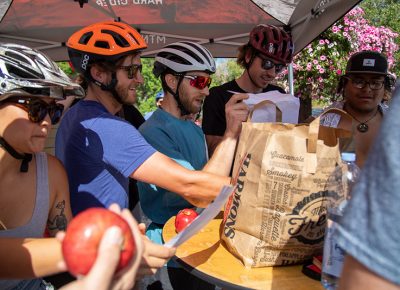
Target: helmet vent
x=174, y=58
x=134, y=38
x=119, y=40
x=102, y=44
x=275, y=32
x=85, y=37
x=20, y=73
x=194, y=55
x=16, y=56
x=284, y=46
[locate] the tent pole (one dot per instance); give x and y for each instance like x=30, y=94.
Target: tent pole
x=290, y=79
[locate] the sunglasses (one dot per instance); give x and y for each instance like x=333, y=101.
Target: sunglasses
x=267, y=64
x=132, y=69
x=199, y=82
x=38, y=109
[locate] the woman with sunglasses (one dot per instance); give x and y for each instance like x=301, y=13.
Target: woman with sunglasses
x=185, y=70
x=33, y=186
x=266, y=54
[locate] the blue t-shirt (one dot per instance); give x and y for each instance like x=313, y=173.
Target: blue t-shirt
x=99, y=151
x=184, y=142
x=370, y=228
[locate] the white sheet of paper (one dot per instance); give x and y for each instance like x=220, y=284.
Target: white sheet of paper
x=203, y=219
x=288, y=104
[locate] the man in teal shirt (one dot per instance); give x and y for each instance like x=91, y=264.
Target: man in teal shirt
x=184, y=69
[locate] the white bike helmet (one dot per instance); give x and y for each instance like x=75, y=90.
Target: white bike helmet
x=182, y=57
x=26, y=71
x=179, y=58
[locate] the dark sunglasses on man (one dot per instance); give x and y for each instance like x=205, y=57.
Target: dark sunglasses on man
x=199, y=82
x=38, y=109
x=132, y=69
x=267, y=64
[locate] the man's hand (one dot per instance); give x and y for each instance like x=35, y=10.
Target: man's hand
x=236, y=112
x=154, y=256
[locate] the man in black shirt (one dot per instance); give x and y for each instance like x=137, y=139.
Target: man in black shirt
x=131, y=114
x=266, y=54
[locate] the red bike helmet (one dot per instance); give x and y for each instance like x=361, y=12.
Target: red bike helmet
x=272, y=42
x=103, y=41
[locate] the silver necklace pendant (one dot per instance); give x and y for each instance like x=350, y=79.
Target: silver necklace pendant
x=362, y=127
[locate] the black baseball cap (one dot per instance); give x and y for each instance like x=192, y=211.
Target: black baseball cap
x=367, y=62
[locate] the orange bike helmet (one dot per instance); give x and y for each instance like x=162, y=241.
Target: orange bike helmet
x=103, y=41
x=272, y=42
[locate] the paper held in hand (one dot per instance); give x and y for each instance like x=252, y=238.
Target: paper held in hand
x=287, y=103
x=203, y=219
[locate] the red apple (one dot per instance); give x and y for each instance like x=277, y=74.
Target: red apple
x=83, y=237
x=184, y=218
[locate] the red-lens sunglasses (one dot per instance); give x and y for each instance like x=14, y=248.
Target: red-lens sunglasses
x=199, y=82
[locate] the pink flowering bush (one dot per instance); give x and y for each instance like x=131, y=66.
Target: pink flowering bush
x=318, y=67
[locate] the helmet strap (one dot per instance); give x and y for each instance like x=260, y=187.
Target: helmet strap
x=110, y=87
x=181, y=107
x=26, y=158
x=248, y=65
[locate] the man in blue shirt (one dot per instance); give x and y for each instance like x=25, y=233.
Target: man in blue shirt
x=184, y=69
x=99, y=150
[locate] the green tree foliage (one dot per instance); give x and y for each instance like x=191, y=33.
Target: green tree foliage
x=227, y=69
x=146, y=93
x=64, y=65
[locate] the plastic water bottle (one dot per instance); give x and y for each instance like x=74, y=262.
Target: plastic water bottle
x=333, y=257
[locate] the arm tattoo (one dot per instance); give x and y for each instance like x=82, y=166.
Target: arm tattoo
x=59, y=222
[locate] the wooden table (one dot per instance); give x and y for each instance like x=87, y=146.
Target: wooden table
x=205, y=256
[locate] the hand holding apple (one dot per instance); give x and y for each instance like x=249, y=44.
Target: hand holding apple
x=184, y=218
x=83, y=236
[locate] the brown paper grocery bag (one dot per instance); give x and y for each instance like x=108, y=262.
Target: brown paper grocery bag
x=285, y=177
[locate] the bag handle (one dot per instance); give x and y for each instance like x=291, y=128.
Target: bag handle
x=313, y=130
x=278, y=112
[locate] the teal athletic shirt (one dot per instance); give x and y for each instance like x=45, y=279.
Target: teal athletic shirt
x=184, y=142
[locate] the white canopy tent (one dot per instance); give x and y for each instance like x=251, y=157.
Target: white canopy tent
x=220, y=25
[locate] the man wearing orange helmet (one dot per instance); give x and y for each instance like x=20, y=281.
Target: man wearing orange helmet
x=99, y=150
x=266, y=54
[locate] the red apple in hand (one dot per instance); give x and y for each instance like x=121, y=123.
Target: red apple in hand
x=83, y=237
x=184, y=218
